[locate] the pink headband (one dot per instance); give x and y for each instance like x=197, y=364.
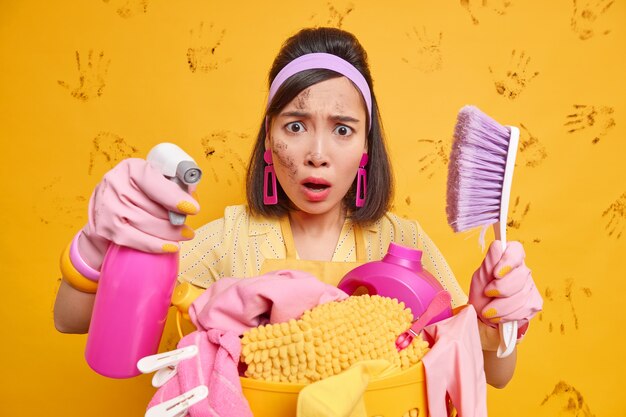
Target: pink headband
x=324, y=61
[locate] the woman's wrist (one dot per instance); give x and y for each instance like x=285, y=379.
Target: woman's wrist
x=73, y=276
x=490, y=336
x=92, y=247
x=78, y=262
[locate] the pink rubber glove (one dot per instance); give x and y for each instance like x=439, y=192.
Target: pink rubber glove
x=130, y=208
x=502, y=288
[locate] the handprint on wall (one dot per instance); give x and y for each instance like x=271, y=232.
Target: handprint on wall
x=478, y=7
x=110, y=149
x=565, y=400
x=91, y=76
x=432, y=156
x=426, y=56
x=224, y=162
x=515, y=78
x=129, y=8
x=336, y=15
x=531, y=152
x=53, y=208
x=585, y=17
x=402, y=207
x=598, y=119
x=615, y=215
x=203, y=55
x=561, y=303
x=517, y=214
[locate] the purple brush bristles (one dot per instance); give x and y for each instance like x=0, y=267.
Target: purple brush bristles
x=480, y=173
x=476, y=170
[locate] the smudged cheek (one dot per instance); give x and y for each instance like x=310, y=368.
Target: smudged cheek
x=284, y=159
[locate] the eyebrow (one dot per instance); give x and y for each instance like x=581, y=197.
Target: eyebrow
x=302, y=114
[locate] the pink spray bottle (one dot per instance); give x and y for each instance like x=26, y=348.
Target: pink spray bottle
x=135, y=287
x=398, y=275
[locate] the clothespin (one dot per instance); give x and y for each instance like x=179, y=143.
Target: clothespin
x=179, y=406
x=165, y=364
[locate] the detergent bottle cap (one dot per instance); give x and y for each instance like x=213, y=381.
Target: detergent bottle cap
x=401, y=255
x=405, y=252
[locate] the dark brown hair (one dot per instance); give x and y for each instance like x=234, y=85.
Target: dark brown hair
x=379, y=177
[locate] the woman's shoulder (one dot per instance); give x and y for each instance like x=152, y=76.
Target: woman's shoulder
x=396, y=222
x=232, y=213
x=236, y=211
x=240, y=216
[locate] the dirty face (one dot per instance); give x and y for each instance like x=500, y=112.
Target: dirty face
x=317, y=141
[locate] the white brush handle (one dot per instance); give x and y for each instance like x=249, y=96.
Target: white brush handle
x=508, y=330
x=508, y=338
x=507, y=181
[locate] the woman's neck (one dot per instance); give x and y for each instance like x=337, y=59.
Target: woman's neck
x=316, y=235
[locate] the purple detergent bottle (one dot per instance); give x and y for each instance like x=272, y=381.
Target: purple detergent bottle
x=135, y=288
x=398, y=275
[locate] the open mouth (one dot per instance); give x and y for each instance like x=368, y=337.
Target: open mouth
x=315, y=186
x=316, y=189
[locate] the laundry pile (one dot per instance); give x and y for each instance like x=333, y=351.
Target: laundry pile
x=287, y=326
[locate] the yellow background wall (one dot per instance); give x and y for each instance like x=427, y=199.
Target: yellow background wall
x=84, y=84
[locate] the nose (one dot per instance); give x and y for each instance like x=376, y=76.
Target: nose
x=318, y=152
x=316, y=160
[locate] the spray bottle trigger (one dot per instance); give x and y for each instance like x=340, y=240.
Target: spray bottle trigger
x=177, y=219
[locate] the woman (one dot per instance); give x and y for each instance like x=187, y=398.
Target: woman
x=319, y=188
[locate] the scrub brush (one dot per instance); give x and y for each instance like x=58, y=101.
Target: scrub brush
x=480, y=173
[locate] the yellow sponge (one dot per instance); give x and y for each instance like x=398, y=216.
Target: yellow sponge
x=329, y=339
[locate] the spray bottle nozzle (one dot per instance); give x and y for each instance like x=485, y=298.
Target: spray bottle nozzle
x=188, y=172
x=178, y=166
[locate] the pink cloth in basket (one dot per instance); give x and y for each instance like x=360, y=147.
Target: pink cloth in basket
x=216, y=367
x=222, y=313
x=238, y=304
x=454, y=366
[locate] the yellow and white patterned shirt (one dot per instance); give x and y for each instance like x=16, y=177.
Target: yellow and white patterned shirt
x=237, y=244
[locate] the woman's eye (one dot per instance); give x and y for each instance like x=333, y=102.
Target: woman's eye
x=295, y=127
x=343, y=130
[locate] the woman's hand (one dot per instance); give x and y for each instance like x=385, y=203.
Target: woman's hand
x=130, y=207
x=502, y=288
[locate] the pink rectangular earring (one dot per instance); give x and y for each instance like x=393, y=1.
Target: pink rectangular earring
x=270, y=197
x=361, y=182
